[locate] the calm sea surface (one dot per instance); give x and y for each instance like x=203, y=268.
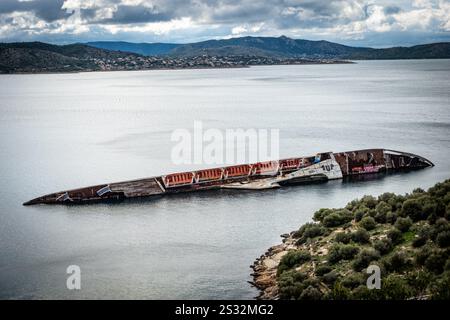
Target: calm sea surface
x=61, y=131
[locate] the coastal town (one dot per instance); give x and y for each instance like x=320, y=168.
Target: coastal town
x=132, y=62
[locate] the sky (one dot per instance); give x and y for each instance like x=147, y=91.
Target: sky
x=374, y=23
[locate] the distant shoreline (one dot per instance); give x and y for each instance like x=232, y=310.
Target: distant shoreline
x=185, y=68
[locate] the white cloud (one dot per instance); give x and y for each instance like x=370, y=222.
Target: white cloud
x=200, y=19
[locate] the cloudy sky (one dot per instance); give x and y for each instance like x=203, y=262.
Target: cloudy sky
x=377, y=23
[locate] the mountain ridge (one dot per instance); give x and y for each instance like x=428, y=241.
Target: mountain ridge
x=284, y=47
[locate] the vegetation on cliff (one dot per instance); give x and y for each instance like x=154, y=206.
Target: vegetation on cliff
x=407, y=236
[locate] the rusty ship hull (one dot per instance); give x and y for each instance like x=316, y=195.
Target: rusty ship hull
x=256, y=176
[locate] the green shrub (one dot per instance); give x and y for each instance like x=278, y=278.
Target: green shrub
x=396, y=288
x=330, y=278
x=353, y=280
x=440, y=288
x=321, y=214
x=292, y=259
x=359, y=214
x=397, y=262
x=342, y=237
x=338, y=292
x=369, y=201
x=443, y=239
x=423, y=254
x=383, y=246
x=321, y=270
x=403, y=224
x=386, y=197
x=412, y=208
x=291, y=284
x=311, y=293
x=395, y=236
x=391, y=217
x=436, y=262
x=360, y=236
x=340, y=252
x=368, y=223
x=364, y=258
x=337, y=218
x=308, y=231
x=419, y=241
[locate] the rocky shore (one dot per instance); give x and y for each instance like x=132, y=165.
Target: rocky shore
x=405, y=237
x=265, y=268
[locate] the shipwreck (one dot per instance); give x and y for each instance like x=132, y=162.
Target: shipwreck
x=257, y=176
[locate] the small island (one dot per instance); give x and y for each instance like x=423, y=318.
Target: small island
x=406, y=236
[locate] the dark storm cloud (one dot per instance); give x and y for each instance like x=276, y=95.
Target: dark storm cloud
x=48, y=10
x=126, y=14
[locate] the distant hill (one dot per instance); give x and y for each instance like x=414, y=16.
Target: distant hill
x=287, y=47
x=278, y=47
x=44, y=57
x=235, y=52
x=145, y=49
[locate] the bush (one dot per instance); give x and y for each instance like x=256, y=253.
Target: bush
x=321, y=214
x=311, y=293
x=423, y=254
x=382, y=210
x=338, y=292
x=369, y=201
x=443, y=239
x=383, y=246
x=291, y=284
x=403, y=224
x=292, y=259
x=342, y=237
x=364, y=258
x=419, y=241
x=436, y=262
x=440, y=288
x=340, y=252
x=359, y=214
x=330, y=278
x=396, y=288
x=360, y=236
x=386, y=197
x=353, y=280
x=391, y=217
x=440, y=225
x=321, y=270
x=398, y=262
x=337, y=218
x=412, y=208
x=308, y=231
x=395, y=236
x=368, y=223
